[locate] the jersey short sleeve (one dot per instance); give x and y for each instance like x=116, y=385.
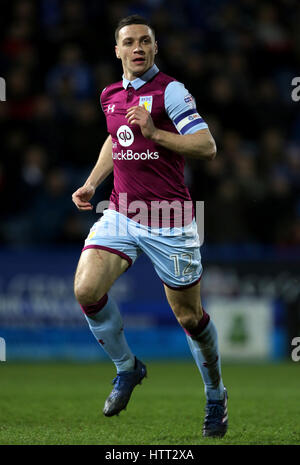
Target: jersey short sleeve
x=101, y=100
x=181, y=108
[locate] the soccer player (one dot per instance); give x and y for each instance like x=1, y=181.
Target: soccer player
x=153, y=124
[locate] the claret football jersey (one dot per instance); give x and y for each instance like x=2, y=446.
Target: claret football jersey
x=143, y=170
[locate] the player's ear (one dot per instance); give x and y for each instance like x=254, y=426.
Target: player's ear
x=117, y=51
x=155, y=48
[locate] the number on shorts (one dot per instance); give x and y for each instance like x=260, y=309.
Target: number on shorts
x=187, y=268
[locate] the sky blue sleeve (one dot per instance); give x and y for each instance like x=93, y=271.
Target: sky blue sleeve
x=181, y=108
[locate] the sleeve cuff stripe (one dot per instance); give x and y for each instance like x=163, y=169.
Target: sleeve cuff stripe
x=187, y=120
x=197, y=122
x=184, y=115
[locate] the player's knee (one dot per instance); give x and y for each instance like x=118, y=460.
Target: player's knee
x=86, y=294
x=188, y=318
x=189, y=322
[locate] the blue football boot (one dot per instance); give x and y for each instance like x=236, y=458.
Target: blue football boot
x=124, y=383
x=216, y=418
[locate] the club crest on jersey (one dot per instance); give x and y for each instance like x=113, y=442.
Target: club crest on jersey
x=146, y=102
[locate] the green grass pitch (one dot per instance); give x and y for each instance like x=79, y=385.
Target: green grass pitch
x=61, y=403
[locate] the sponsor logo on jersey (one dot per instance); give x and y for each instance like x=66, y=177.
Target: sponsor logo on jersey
x=111, y=108
x=125, y=136
x=146, y=102
x=131, y=155
x=190, y=101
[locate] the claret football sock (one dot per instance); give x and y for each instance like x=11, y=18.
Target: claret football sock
x=107, y=327
x=204, y=348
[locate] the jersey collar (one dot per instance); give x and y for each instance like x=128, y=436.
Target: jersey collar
x=140, y=81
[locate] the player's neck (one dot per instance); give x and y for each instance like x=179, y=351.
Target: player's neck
x=132, y=76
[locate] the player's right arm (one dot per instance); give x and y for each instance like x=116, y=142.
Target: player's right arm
x=101, y=170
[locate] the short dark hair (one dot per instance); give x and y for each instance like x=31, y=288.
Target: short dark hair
x=132, y=19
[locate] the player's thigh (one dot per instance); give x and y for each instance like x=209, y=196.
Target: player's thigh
x=97, y=270
x=185, y=302
x=108, y=251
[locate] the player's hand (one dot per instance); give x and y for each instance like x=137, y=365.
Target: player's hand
x=82, y=196
x=139, y=115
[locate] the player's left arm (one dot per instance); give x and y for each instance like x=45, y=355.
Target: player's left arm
x=194, y=138
x=200, y=145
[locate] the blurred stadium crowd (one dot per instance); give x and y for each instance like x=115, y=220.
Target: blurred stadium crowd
x=237, y=58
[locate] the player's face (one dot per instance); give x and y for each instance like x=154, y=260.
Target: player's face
x=136, y=47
